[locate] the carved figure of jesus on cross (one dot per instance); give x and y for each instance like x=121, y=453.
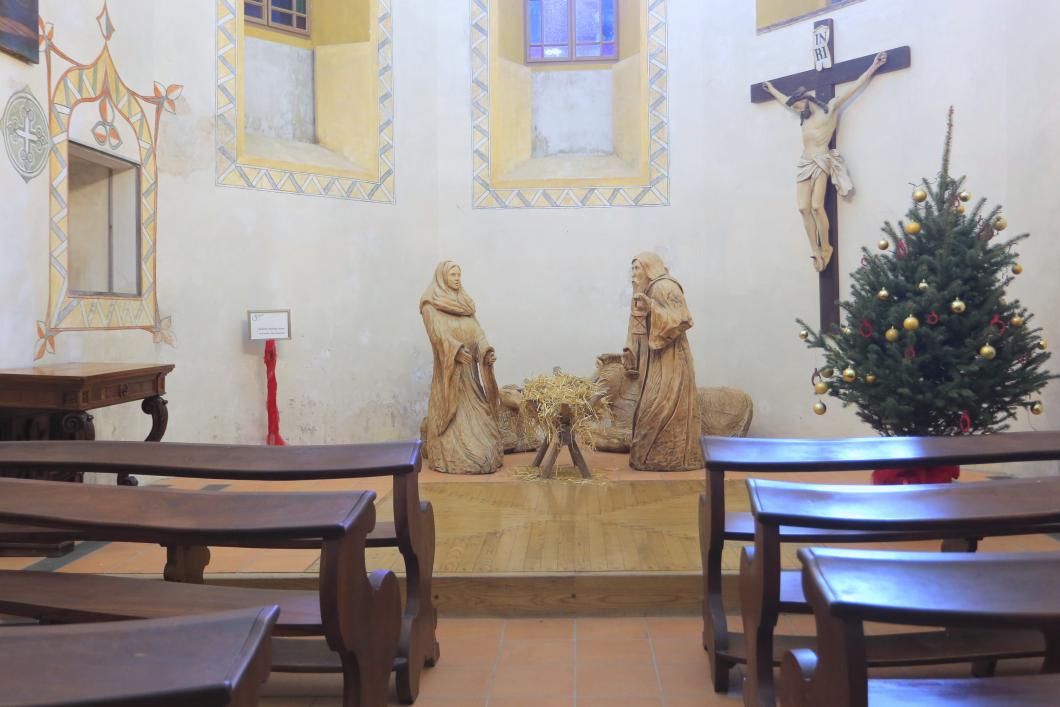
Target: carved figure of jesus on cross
x=821, y=171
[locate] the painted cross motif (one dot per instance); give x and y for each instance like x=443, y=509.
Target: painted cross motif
x=821, y=171
x=25, y=134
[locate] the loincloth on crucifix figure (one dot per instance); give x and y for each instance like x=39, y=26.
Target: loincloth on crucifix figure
x=830, y=163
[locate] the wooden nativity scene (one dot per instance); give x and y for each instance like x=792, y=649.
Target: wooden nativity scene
x=626, y=450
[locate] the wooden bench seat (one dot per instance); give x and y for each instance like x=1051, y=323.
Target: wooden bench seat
x=1018, y=506
x=849, y=587
x=359, y=615
x=412, y=530
x=208, y=660
x=716, y=526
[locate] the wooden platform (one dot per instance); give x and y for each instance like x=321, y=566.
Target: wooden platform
x=624, y=542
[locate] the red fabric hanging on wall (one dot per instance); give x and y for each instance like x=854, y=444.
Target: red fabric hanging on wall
x=273, y=439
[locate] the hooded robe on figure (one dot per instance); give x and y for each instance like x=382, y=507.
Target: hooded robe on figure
x=462, y=432
x=666, y=423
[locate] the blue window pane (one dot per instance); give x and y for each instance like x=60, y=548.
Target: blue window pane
x=556, y=22
x=588, y=20
x=300, y=6
x=281, y=18
x=535, y=22
x=607, y=30
x=609, y=50
x=254, y=11
x=536, y=52
x=299, y=22
x=557, y=52
x=282, y=4
x=588, y=50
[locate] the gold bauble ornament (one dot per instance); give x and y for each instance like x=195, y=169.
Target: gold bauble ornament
x=1043, y=344
x=1017, y=269
x=827, y=372
x=923, y=286
x=891, y=334
x=1003, y=301
x=804, y=335
x=819, y=408
x=870, y=378
x=1000, y=223
x=911, y=323
x=1017, y=320
x=988, y=352
x=912, y=228
x=960, y=208
x=846, y=331
x=883, y=295
x=920, y=196
x=849, y=375
x=964, y=196
x=820, y=387
x=1037, y=408
x=957, y=306
x=883, y=244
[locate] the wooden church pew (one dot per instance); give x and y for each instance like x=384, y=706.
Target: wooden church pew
x=209, y=660
x=989, y=508
x=358, y=615
x=412, y=530
x=717, y=526
x=989, y=591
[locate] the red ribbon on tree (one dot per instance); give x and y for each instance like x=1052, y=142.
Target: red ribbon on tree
x=902, y=249
x=966, y=422
x=273, y=439
x=866, y=328
x=933, y=318
x=997, y=321
x=909, y=353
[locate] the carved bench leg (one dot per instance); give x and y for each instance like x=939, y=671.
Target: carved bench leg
x=759, y=605
x=361, y=615
x=186, y=563
x=414, y=522
x=711, y=544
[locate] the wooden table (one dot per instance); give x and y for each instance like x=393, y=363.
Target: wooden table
x=52, y=402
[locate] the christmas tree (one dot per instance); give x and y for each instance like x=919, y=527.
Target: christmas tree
x=931, y=345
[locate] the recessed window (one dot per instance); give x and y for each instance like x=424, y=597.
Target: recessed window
x=776, y=13
x=291, y=15
x=571, y=30
x=104, y=232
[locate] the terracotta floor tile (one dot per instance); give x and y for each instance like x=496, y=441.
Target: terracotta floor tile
x=673, y=626
x=309, y=685
x=618, y=627
x=286, y=702
x=525, y=701
x=685, y=679
x=620, y=702
x=470, y=650
x=535, y=629
x=533, y=680
x=537, y=652
x=708, y=700
x=614, y=650
x=683, y=649
x=17, y=563
x=467, y=681
x=280, y=560
x=618, y=679
x=458, y=629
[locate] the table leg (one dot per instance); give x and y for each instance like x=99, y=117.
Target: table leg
x=156, y=407
x=760, y=605
x=711, y=545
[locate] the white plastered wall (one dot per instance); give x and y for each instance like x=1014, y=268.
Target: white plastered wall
x=551, y=285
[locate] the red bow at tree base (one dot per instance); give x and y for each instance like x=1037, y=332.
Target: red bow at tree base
x=916, y=475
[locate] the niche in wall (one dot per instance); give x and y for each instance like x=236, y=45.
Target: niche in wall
x=553, y=132
x=306, y=110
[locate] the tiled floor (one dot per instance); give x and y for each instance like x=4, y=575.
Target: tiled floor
x=587, y=662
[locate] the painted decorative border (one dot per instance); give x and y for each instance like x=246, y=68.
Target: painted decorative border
x=654, y=193
x=99, y=81
x=232, y=173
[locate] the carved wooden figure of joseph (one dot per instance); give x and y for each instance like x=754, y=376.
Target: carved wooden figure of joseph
x=666, y=423
x=463, y=436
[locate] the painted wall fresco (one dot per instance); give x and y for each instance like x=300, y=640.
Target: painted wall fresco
x=233, y=171
x=654, y=191
x=121, y=108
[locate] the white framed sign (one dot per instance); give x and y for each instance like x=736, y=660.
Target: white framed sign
x=269, y=324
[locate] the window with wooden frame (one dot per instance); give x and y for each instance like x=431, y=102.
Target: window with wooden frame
x=290, y=15
x=571, y=30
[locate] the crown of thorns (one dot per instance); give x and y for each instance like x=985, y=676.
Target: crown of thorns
x=803, y=94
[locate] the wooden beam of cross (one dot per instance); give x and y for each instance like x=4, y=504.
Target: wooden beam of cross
x=822, y=79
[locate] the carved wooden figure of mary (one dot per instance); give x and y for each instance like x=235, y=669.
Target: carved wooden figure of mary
x=463, y=436
x=666, y=423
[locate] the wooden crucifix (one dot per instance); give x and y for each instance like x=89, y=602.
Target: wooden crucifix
x=822, y=174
